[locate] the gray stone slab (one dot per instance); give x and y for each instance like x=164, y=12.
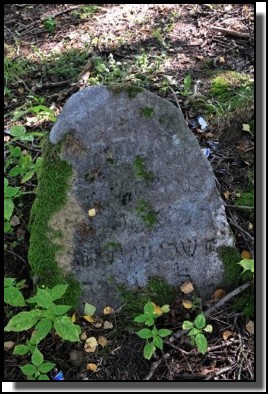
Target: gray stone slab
x=158, y=211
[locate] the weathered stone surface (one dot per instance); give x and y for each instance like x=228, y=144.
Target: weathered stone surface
x=157, y=209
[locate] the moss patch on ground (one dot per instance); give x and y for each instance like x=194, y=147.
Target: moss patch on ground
x=157, y=291
x=246, y=199
x=51, y=193
x=244, y=303
x=232, y=271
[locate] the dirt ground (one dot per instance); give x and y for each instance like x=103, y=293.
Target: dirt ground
x=133, y=40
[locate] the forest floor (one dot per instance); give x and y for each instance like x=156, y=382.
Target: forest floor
x=199, y=57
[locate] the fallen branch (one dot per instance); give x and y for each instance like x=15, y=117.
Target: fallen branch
x=229, y=32
x=155, y=365
x=227, y=298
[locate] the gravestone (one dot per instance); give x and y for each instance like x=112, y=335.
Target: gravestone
x=142, y=200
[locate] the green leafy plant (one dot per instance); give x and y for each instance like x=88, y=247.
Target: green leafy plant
x=10, y=193
x=195, y=332
x=152, y=336
x=247, y=265
x=187, y=82
x=12, y=293
x=20, y=163
x=38, y=368
x=146, y=213
x=46, y=316
x=50, y=24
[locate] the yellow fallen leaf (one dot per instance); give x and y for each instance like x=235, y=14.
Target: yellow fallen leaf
x=187, y=304
x=73, y=318
x=245, y=255
x=92, y=212
x=246, y=127
x=83, y=336
x=250, y=327
x=102, y=341
x=108, y=310
x=91, y=344
x=107, y=325
x=89, y=318
x=226, y=195
x=157, y=310
x=250, y=226
x=92, y=367
x=218, y=294
x=227, y=334
x=221, y=59
x=8, y=345
x=187, y=287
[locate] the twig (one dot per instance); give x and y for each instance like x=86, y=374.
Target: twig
x=229, y=32
x=243, y=231
x=239, y=207
x=221, y=371
x=227, y=298
x=155, y=365
x=175, y=97
x=55, y=84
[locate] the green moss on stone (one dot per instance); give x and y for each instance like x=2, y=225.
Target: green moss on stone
x=141, y=171
x=232, y=271
x=53, y=183
x=131, y=90
x=147, y=112
x=146, y=213
x=157, y=291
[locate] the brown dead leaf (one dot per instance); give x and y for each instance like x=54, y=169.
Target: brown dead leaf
x=187, y=287
x=245, y=255
x=108, y=310
x=200, y=57
x=107, y=325
x=92, y=367
x=218, y=294
x=250, y=327
x=209, y=135
x=226, y=195
x=102, y=341
x=83, y=336
x=8, y=345
x=227, y=334
x=20, y=234
x=221, y=60
x=15, y=221
x=97, y=325
x=187, y=304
